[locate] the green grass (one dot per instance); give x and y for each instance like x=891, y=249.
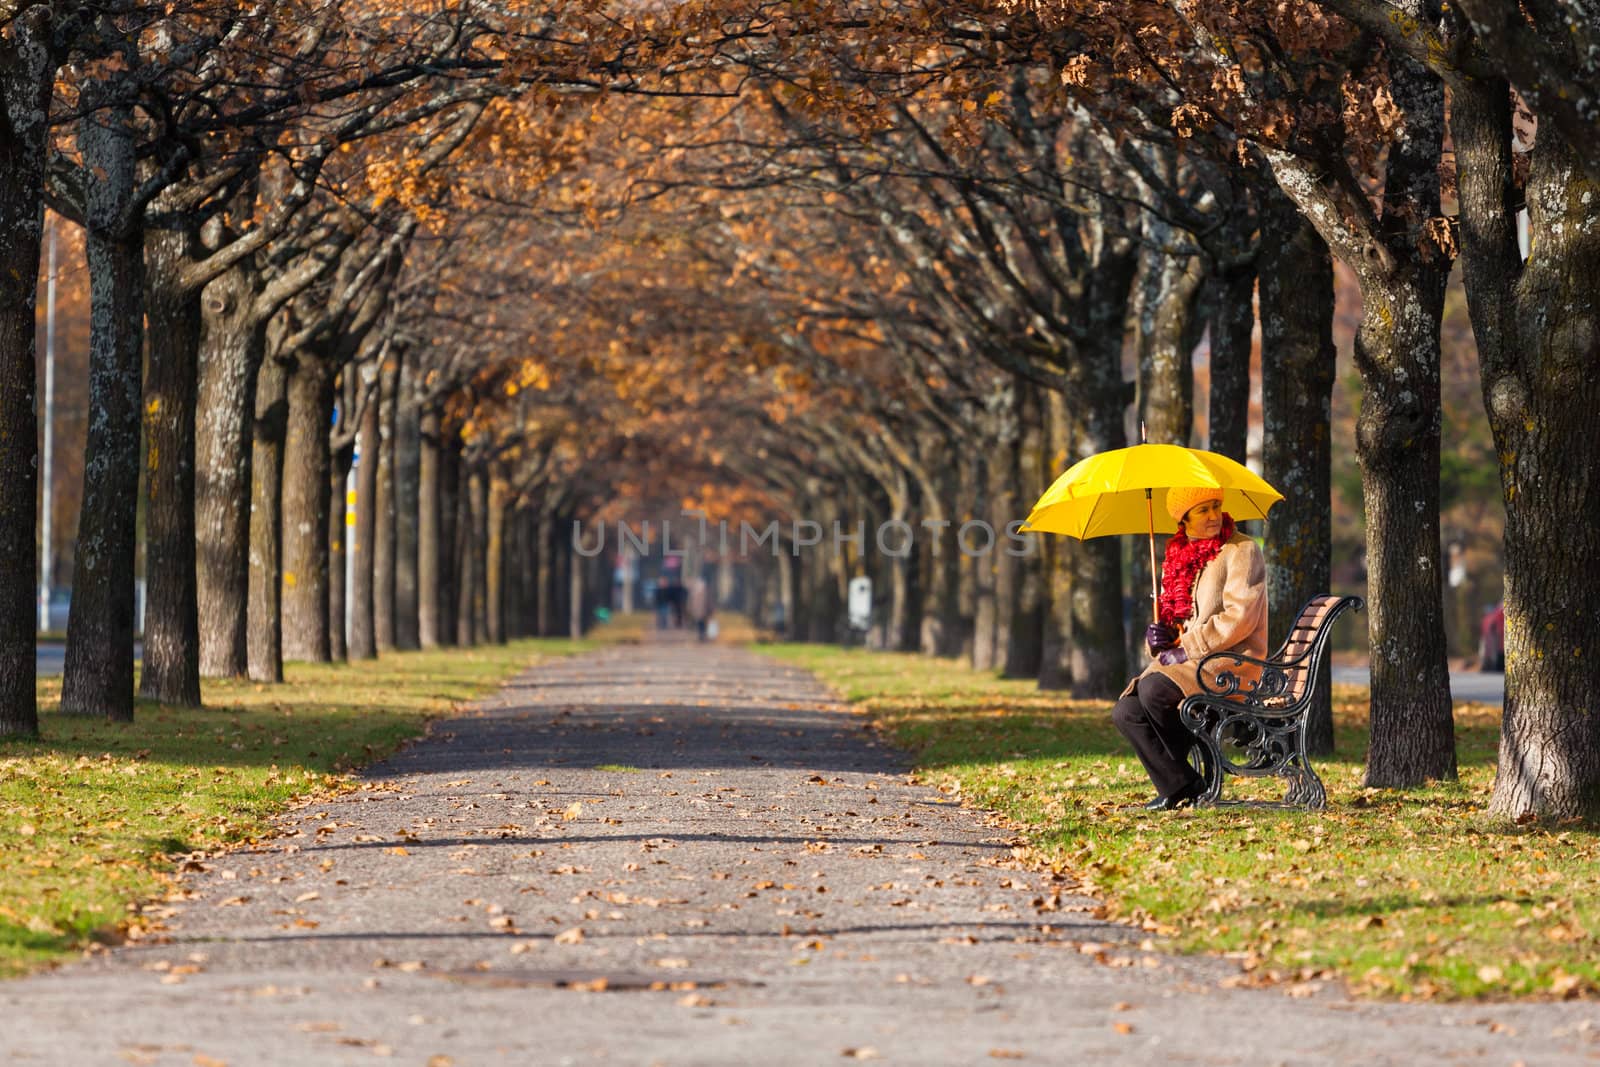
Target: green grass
x=92, y=813
x=1412, y=893
x=620, y=768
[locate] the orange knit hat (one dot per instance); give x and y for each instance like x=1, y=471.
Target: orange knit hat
x=1181, y=499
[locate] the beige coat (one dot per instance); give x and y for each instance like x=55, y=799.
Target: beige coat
x=1230, y=602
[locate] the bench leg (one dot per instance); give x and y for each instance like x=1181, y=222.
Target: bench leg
x=1305, y=787
x=1207, y=761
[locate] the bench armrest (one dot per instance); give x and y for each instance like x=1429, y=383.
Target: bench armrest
x=1272, y=683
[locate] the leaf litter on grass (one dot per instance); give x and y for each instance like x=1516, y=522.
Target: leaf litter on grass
x=1413, y=894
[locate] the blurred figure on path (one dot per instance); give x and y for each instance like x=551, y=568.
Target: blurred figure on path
x=663, y=602
x=700, y=605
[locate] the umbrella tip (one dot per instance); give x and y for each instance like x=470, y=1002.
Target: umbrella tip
x=1142, y=438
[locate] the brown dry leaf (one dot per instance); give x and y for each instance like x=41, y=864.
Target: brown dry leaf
x=411, y=966
x=441, y=1061
x=304, y=897
x=573, y=936
x=978, y=979
x=202, y=1060
x=1122, y=1028
x=397, y=850
x=865, y=1052
x=572, y=812
x=233, y=902
x=594, y=985
x=695, y=1000
x=1122, y=1005
x=1007, y=1054
x=1563, y=984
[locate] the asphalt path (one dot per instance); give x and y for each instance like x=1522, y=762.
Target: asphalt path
x=49, y=658
x=1482, y=688
x=672, y=854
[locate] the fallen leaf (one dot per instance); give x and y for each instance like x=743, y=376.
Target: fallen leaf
x=1122, y=1028
x=573, y=936
x=865, y=1052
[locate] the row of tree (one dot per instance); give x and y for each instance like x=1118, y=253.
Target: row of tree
x=826, y=262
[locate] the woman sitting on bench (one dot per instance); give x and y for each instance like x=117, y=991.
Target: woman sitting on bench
x=1213, y=598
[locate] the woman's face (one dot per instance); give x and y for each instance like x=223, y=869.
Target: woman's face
x=1204, y=519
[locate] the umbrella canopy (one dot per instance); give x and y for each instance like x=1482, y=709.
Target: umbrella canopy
x=1124, y=491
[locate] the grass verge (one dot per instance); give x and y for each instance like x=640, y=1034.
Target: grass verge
x=1415, y=893
x=92, y=813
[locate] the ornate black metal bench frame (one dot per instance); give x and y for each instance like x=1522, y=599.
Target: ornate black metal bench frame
x=1257, y=727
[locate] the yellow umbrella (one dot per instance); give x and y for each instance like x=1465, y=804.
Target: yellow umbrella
x=1124, y=491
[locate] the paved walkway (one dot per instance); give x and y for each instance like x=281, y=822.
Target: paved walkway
x=680, y=855
x=1476, y=686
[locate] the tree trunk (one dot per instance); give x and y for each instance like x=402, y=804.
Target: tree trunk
x=1297, y=376
x=364, y=539
x=430, y=533
x=1397, y=439
x=478, y=542
x=1024, y=646
x=1099, y=662
x=495, y=560
x=942, y=630
x=1232, y=323
x=307, y=481
x=1002, y=505
x=898, y=635
x=983, y=568
x=408, y=517
x=340, y=525
x=232, y=347
x=450, y=491
x=1537, y=330
x=1055, y=653
x=575, y=592
x=269, y=432
x=563, y=558
x=466, y=529
x=171, y=671
x=27, y=76
x=546, y=607
x=1402, y=274
x=385, y=630
x=1168, y=289
x=98, y=674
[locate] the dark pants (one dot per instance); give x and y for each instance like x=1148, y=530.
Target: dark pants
x=1148, y=718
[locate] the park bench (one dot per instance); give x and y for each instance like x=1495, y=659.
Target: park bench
x=1250, y=717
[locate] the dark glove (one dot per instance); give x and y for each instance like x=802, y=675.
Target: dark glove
x=1173, y=656
x=1158, y=636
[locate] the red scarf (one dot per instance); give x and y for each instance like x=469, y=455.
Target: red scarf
x=1184, y=561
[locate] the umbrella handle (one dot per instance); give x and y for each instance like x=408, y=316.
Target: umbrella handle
x=1155, y=596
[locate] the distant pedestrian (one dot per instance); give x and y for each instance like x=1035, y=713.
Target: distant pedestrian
x=663, y=593
x=700, y=606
